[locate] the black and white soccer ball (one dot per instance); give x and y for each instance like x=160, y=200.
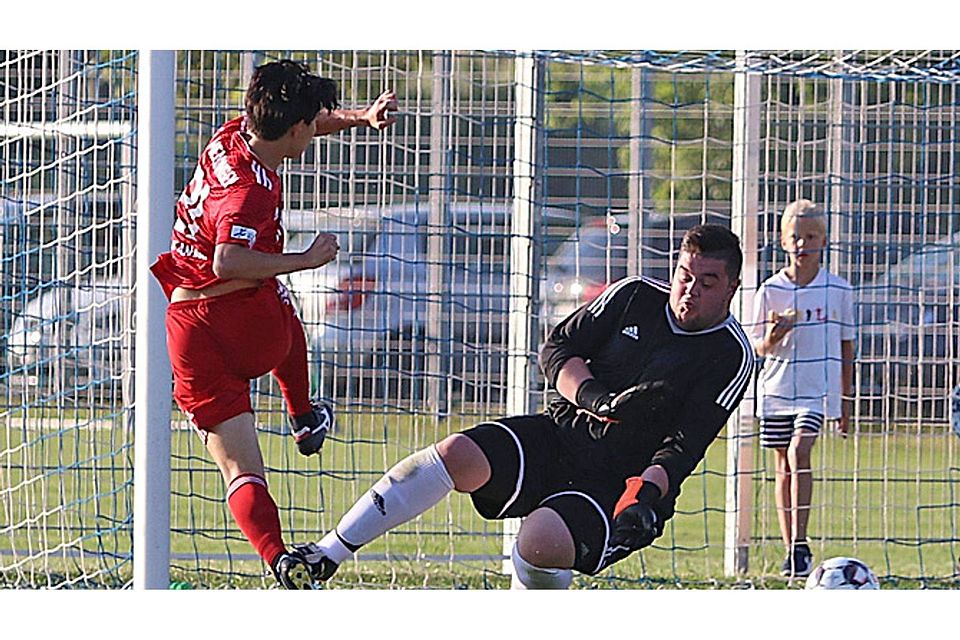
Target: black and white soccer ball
x=842, y=573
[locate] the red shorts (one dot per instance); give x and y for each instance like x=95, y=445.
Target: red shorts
x=217, y=345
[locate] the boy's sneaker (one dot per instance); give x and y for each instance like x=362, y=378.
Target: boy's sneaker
x=310, y=429
x=322, y=568
x=799, y=563
x=292, y=571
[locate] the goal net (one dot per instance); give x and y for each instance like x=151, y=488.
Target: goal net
x=409, y=329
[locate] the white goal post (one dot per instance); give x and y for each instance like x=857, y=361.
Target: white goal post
x=155, y=202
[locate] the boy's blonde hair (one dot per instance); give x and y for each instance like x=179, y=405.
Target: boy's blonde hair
x=805, y=209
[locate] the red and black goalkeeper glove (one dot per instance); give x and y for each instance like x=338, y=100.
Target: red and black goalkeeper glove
x=593, y=396
x=643, y=400
x=596, y=401
x=635, y=523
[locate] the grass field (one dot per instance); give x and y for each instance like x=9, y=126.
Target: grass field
x=887, y=498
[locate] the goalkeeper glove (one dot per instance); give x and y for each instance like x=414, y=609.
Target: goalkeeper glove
x=595, y=398
x=608, y=407
x=635, y=523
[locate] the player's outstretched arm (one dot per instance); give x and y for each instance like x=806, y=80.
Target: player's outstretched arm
x=379, y=116
x=234, y=261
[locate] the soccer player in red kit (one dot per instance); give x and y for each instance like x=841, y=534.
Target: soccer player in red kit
x=229, y=319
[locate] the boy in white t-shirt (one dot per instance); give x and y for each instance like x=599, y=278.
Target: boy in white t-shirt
x=804, y=327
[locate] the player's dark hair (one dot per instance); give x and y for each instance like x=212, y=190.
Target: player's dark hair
x=284, y=93
x=715, y=241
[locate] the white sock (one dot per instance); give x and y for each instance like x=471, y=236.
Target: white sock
x=412, y=486
x=526, y=576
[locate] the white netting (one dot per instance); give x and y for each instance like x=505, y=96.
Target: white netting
x=408, y=329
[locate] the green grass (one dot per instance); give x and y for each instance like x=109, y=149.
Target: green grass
x=889, y=499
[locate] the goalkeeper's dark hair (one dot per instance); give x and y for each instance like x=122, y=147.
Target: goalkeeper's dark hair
x=715, y=241
x=284, y=93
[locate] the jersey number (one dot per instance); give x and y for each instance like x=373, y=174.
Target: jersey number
x=192, y=200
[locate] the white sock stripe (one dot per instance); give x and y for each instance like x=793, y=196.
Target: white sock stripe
x=596, y=505
x=239, y=481
x=520, y=470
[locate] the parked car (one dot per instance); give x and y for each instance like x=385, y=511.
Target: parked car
x=909, y=331
x=595, y=255
x=372, y=317
x=583, y=266
x=69, y=337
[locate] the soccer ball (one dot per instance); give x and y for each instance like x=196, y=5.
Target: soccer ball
x=842, y=573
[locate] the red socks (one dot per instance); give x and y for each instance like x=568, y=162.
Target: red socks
x=256, y=514
x=292, y=375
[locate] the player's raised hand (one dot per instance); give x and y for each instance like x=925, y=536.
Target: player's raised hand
x=382, y=113
x=322, y=250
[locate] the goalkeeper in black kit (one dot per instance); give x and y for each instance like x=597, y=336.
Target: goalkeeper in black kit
x=646, y=374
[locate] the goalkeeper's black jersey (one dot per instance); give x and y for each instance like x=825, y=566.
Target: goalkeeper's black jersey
x=629, y=335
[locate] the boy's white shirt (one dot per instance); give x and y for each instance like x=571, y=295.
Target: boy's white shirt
x=803, y=372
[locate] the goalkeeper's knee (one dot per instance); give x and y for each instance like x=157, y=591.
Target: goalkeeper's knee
x=527, y=576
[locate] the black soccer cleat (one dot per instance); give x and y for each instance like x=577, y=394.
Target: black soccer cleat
x=310, y=429
x=292, y=571
x=321, y=567
x=799, y=562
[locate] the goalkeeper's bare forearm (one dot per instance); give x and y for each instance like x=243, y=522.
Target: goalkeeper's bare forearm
x=655, y=474
x=573, y=373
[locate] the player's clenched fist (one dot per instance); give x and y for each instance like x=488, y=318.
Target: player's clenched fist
x=322, y=250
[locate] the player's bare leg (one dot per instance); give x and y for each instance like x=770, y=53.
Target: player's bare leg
x=465, y=461
x=802, y=485
x=234, y=446
x=543, y=553
x=801, y=488
x=782, y=494
x=801, y=495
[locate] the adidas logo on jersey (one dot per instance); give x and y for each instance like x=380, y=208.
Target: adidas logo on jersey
x=631, y=332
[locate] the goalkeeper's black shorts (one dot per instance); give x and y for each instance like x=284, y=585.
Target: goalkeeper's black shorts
x=530, y=468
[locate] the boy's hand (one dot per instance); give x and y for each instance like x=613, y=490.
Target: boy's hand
x=779, y=325
x=843, y=422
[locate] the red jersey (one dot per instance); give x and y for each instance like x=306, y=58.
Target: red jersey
x=232, y=198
